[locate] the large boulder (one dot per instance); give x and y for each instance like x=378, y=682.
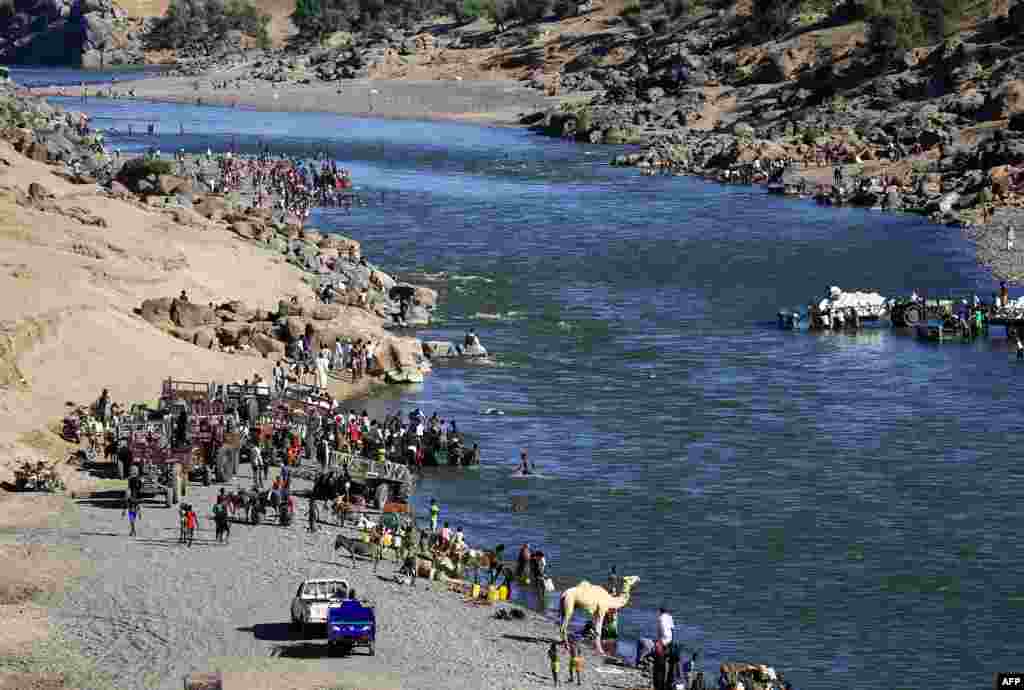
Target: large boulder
x=169, y=185
x=58, y=148
x=999, y=177
x=266, y=345
x=425, y=297
x=347, y=247
x=234, y=334
x=211, y=206
x=417, y=315
x=189, y=315
x=312, y=236
x=326, y=312
x=296, y=326
x=205, y=338
x=265, y=327
x=1006, y=100
x=98, y=30
x=157, y=311
x=399, y=353
x=244, y=229
x=240, y=310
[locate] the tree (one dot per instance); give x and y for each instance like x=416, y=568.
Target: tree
x=204, y=21
x=894, y=25
x=308, y=17
x=464, y=11
x=772, y=17
x=529, y=11
x=501, y=13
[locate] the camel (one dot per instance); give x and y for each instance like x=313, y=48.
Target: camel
x=596, y=601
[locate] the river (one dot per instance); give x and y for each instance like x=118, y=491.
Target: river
x=843, y=507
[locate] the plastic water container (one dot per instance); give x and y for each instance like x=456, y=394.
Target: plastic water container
x=476, y=591
x=492, y=593
x=503, y=593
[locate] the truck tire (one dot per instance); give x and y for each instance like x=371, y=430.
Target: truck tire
x=169, y=493
x=174, y=494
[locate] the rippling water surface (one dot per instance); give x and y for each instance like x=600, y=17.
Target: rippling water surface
x=845, y=507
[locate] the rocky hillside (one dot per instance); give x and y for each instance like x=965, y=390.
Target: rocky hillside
x=86, y=33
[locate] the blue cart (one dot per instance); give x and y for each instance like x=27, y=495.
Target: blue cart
x=351, y=625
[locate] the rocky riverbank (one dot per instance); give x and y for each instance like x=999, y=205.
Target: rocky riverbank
x=93, y=34
x=93, y=265
x=938, y=130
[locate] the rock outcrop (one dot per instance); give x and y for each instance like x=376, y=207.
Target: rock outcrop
x=89, y=33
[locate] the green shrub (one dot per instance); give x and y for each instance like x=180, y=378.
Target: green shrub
x=811, y=135
x=140, y=168
x=584, y=121
x=631, y=9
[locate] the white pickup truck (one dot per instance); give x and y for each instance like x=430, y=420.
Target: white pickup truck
x=312, y=599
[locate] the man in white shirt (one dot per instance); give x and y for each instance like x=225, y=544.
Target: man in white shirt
x=665, y=627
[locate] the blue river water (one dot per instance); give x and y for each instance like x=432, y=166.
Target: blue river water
x=844, y=507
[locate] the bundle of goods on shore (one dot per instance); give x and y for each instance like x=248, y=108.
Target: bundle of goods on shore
x=751, y=676
x=866, y=304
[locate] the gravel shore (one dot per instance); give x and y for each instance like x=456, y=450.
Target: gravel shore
x=151, y=611
x=496, y=102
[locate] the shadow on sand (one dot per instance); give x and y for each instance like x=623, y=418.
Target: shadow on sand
x=272, y=632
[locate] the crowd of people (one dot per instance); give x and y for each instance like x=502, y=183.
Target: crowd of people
x=290, y=185
x=415, y=441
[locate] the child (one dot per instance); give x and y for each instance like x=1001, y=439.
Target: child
x=575, y=663
x=133, y=509
x=183, y=515
x=553, y=657
x=190, y=525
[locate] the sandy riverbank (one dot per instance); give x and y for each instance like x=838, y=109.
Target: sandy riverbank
x=485, y=102
x=148, y=610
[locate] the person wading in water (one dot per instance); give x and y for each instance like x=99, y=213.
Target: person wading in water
x=524, y=465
